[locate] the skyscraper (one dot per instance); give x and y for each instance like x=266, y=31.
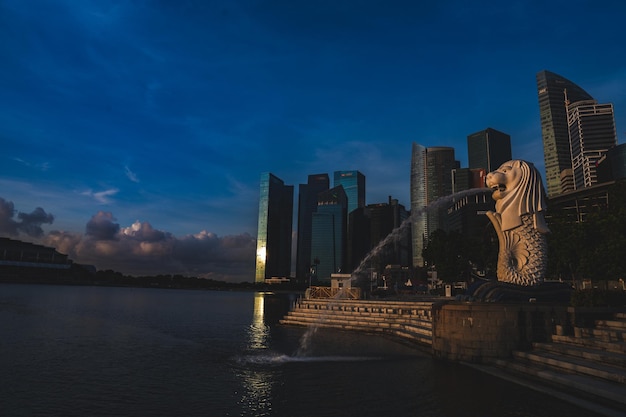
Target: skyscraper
x=440, y=163
x=273, y=251
x=307, y=205
x=418, y=202
x=612, y=166
x=369, y=225
x=551, y=89
x=431, y=178
x=328, y=237
x=488, y=149
x=592, y=133
x=353, y=183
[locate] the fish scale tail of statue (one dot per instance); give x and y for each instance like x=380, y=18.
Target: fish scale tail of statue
x=519, y=222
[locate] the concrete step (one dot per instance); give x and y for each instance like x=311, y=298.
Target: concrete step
x=598, y=391
x=604, y=334
x=612, y=324
x=568, y=364
x=412, y=334
x=415, y=327
x=590, y=342
x=316, y=315
x=586, y=353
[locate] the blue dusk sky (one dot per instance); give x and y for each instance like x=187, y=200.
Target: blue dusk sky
x=134, y=133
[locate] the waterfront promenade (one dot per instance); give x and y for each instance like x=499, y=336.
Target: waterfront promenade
x=576, y=355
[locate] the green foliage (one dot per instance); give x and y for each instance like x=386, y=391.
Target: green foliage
x=454, y=255
x=594, y=249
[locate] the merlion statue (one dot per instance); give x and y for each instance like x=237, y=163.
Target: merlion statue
x=519, y=222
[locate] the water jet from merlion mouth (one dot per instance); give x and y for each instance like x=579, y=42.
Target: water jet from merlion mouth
x=398, y=232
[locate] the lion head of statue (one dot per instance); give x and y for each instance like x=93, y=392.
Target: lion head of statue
x=518, y=190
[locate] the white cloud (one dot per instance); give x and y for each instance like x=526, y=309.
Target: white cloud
x=130, y=174
x=42, y=166
x=101, y=196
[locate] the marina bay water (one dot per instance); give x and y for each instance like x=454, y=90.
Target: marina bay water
x=96, y=351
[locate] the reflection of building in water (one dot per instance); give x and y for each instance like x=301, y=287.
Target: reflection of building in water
x=258, y=330
x=257, y=382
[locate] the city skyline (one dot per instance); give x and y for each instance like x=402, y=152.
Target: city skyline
x=134, y=134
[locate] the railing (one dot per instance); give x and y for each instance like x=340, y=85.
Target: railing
x=336, y=293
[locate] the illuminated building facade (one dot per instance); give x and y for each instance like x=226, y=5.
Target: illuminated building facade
x=273, y=254
x=592, y=133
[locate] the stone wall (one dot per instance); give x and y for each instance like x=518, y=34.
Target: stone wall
x=477, y=332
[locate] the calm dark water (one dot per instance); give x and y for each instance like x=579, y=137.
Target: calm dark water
x=91, y=351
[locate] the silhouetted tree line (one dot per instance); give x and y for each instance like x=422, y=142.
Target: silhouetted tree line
x=79, y=275
x=455, y=256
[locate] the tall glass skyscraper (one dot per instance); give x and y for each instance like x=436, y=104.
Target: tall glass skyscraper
x=592, y=134
x=488, y=149
x=307, y=205
x=353, y=183
x=329, y=229
x=418, y=203
x=431, y=179
x=273, y=250
x=552, y=89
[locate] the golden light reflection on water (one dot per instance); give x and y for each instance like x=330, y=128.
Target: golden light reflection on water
x=258, y=331
x=257, y=381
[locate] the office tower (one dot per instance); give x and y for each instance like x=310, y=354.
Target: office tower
x=384, y=219
x=466, y=215
x=440, y=163
x=353, y=183
x=328, y=237
x=418, y=203
x=371, y=224
x=551, y=89
x=592, y=133
x=431, y=179
x=307, y=205
x=488, y=149
x=466, y=178
x=612, y=166
x=273, y=250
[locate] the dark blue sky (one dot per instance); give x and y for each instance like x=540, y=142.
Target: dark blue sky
x=140, y=127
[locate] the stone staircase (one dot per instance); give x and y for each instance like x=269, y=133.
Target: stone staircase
x=404, y=320
x=589, y=364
